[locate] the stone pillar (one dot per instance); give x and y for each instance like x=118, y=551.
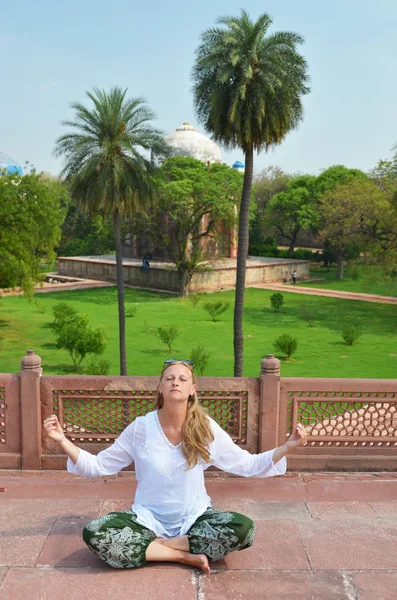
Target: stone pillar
x=269, y=403
x=31, y=411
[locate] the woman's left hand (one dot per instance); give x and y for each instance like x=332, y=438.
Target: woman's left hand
x=297, y=437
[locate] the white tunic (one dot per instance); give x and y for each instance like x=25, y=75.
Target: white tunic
x=169, y=497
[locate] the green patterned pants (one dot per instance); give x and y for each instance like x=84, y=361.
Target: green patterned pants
x=119, y=540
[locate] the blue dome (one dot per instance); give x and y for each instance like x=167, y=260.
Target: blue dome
x=238, y=165
x=9, y=165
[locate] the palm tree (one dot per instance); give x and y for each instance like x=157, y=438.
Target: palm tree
x=248, y=89
x=106, y=168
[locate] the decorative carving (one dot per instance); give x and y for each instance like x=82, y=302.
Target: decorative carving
x=353, y=419
x=93, y=416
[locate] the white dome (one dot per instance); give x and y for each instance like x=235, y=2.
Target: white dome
x=187, y=141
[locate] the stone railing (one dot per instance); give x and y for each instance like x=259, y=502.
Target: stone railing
x=352, y=423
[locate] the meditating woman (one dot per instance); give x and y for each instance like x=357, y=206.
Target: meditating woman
x=172, y=518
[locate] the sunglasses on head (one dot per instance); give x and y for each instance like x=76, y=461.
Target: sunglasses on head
x=184, y=361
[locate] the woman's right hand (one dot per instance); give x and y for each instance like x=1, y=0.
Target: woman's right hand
x=53, y=430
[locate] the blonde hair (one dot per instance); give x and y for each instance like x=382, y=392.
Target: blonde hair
x=196, y=433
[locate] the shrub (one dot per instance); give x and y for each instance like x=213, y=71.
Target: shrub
x=200, y=357
x=40, y=306
x=277, y=301
x=194, y=299
x=308, y=314
x=79, y=339
x=130, y=312
x=350, y=333
x=287, y=344
x=215, y=309
x=94, y=367
x=168, y=335
x=63, y=313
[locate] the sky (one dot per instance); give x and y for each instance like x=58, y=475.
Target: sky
x=53, y=52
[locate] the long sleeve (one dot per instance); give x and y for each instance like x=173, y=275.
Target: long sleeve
x=229, y=457
x=107, y=462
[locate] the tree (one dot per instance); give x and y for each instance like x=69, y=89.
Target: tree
x=31, y=214
x=248, y=89
x=294, y=210
x=198, y=200
x=83, y=234
x=79, y=339
x=355, y=213
x=106, y=167
x=272, y=180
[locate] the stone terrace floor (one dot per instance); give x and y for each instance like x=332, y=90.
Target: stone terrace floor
x=320, y=536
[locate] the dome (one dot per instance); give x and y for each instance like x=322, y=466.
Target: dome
x=187, y=141
x=239, y=166
x=9, y=165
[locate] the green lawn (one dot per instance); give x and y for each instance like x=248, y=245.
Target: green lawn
x=321, y=351
x=364, y=280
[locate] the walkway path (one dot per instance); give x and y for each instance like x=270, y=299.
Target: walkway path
x=298, y=289
x=320, y=536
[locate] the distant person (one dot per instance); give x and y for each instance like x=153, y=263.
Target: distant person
x=172, y=518
x=293, y=277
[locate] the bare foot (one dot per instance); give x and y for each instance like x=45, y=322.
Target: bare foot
x=196, y=560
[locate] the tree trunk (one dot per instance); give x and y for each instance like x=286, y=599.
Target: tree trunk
x=291, y=249
x=183, y=283
x=339, y=262
x=242, y=251
x=120, y=292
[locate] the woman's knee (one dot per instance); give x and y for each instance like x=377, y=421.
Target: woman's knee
x=246, y=533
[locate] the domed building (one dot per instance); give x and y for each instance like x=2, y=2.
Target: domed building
x=187, y=141
x=9, y=165
x=238, y=166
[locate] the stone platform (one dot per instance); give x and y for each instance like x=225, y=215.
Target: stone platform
x=163, y=276
x=320, y=536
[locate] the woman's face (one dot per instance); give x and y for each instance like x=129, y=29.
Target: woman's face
x=176, y=384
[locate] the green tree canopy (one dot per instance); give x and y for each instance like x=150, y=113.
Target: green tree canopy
x=32, y=209
x=294, y=210
x=198, y=200
x=272, y=180
x=356, y=213
x=248, y=88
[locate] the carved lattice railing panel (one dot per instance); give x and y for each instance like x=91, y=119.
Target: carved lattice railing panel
x=93, y=416
x=355, y=419
x=3, y=438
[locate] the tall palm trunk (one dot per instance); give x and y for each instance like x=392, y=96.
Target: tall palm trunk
x=242, y=253
x=120, y=292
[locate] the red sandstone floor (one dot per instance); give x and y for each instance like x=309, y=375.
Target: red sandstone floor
x=320, y=536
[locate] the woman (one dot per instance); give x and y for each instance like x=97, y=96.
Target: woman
x=171, y=518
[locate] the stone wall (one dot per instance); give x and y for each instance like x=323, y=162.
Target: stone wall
x=161, y=277
x=351, y=423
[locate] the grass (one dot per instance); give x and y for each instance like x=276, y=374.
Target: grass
x=365, y=280
x=321, y=351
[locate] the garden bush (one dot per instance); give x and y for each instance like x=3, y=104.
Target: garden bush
x=79, y=339
x=200, y=357
x=350, y=333
x=97, y=367
x=277, y=301
x=287, y=344
x=167, y=335
x=308, y=314
x=215, y=309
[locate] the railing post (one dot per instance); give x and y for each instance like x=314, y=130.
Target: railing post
x=269, y=403
x=31, y=411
